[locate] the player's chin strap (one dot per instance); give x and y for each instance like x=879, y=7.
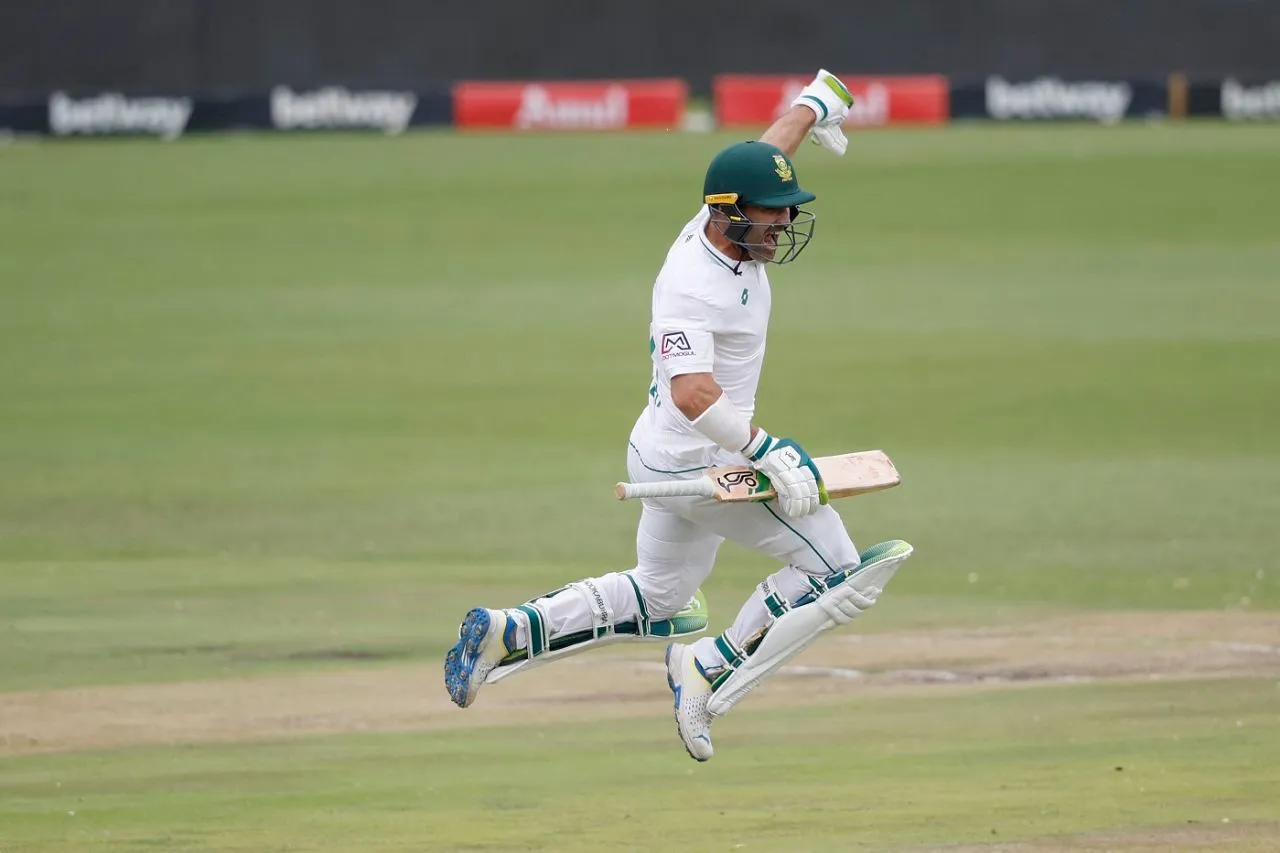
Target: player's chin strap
x=691, y=619
x=835, y=600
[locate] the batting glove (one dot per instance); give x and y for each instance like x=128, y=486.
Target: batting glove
x=830, y=101
x=791, y=471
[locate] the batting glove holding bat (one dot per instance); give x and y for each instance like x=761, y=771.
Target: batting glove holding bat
x=790, y=470
x=830, y=101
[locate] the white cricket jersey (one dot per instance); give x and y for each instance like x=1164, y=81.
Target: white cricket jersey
x=710, y=314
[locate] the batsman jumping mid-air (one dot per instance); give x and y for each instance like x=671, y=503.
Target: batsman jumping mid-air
x=710, y=313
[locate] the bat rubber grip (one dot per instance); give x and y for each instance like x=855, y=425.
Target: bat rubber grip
x=699, y=486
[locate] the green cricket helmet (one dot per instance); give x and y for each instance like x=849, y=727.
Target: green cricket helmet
x=757, y=173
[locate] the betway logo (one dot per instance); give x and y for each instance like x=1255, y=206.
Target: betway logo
x=114, y=113
x=538, y=109
x=870, y=106
x=1049, y=97
x=336, y=107
x=1245, y=102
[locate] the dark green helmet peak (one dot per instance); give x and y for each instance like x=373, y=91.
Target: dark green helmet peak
x=754, y=173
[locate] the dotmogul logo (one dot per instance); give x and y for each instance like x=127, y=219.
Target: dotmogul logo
x=675, y=345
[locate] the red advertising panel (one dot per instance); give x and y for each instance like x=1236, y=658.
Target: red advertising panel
x=586, y=105
x=749, y=99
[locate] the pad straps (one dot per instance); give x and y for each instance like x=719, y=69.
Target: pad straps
x=601, y=613
x=733, y=658
x=773, y=599
x=602, y=619
x=538, y=642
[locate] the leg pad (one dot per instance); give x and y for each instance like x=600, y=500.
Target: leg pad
x=836, y=600
x=691, y=619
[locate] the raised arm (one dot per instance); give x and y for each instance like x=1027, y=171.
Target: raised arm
x=819, y=110
x=790, y=129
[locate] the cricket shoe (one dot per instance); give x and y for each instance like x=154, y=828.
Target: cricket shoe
x=692, y=691
x=485, y=637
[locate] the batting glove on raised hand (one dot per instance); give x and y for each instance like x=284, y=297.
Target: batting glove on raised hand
x=791, y=471
x=830, y=101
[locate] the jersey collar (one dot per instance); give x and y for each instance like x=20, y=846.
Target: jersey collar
x=720, y=257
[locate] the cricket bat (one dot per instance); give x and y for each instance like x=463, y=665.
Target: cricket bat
x=844, y=476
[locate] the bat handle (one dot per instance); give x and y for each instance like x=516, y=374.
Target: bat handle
x=697, y=487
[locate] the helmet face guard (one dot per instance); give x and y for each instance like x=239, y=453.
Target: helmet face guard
x=791, y=238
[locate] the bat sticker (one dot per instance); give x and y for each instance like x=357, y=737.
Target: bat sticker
x=738, y=478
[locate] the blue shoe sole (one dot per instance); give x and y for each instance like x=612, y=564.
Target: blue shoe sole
x=460, y=662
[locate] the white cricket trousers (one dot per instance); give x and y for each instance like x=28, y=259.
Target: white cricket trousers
x=676, y=544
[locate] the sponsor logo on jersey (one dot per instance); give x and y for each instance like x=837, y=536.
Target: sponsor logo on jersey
x=675, y=345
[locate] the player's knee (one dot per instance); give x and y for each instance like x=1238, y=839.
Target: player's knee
x=665, y=605
x=660, y=602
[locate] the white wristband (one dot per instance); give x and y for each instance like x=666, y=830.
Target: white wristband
x=818, y=108
x=758, y=446
x=724, y=424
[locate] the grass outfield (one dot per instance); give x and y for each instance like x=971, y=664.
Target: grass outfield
x=274, y=411
x=1113, y=766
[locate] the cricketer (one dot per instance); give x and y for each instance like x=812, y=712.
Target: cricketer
x=710, y=314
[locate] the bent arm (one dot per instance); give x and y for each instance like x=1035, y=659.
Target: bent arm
x=693, y=393
x=790, y=129
x=698, y=394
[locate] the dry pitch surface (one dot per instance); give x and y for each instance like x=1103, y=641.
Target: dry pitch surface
x=1068, y=649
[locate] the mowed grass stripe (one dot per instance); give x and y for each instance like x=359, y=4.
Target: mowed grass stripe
x=872, y=774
